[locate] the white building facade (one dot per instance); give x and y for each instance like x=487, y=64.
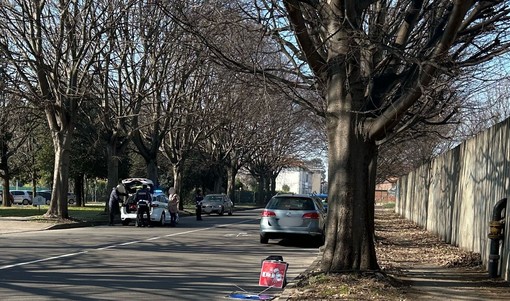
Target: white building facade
x=299, y=180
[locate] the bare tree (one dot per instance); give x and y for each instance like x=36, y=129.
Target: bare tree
x=114, y=109
x=378, y=65
x=51, y=47
x=376, y=62
x=187, y=114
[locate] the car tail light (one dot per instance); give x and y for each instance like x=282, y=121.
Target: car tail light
x=267, y=213
x=311, y=215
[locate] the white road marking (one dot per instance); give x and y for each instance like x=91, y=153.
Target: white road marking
x=41, y=260
x=114, y=246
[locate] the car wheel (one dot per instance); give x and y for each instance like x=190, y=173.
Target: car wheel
x=71, y=201
x=263, y=238
x=125, y=222
x=162, y=221
x=230, y=211
x=25, y=202
x=222, y=211
x=47, y=202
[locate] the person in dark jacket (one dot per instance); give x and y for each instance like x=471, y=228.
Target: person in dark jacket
x=198, y=204
x=143, y=202
x=114, y=202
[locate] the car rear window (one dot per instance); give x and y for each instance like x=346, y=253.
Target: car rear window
x=291, y=204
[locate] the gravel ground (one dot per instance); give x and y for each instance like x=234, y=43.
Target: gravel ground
x=415, y=265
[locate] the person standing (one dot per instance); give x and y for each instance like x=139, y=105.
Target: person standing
x=143, y=201
x=198, y=204
x=114, y=202
x=173, y=206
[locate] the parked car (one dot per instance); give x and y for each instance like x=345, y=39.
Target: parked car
x=71, y=198
x=293, y=215
x=21, y=197
x=46, y=195
x=324, y=199
x=159, y=204
x=217, y=203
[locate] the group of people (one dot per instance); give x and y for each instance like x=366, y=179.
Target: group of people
x=143, y=199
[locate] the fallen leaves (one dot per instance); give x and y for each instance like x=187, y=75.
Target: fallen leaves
x=400, y=244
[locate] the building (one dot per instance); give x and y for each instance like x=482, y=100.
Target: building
x=300, y=180
x=385, y=192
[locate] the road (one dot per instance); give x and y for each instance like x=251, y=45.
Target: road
x=198, y=260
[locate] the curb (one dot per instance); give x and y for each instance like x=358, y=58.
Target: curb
x=75, y=225
x=286, y=294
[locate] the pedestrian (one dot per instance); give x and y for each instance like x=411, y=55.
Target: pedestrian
x=143, y=202
x=173, y=206
x=198, y=204
x=114, y=202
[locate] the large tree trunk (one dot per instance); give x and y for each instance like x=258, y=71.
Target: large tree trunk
x=112, y=160
x=177, y=171
x=350, y=231
x=273, y=184
x=6, y=200
x=78, y=190
x=218, y=184
x=349, y=242
x=58, y=205
x=231, y=184
x=260, y=191
x=152, y=170
x=4, y=174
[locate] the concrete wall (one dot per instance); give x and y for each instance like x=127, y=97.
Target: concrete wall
x=453, y=195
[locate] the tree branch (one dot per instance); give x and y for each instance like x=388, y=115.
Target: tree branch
x=316, y=62
x=379, y=127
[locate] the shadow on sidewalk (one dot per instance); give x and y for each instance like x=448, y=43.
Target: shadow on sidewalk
x=435, y=283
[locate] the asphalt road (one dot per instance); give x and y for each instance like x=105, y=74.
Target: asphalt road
x=198, y=260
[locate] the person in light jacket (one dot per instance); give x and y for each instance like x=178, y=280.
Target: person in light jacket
x=173, y=206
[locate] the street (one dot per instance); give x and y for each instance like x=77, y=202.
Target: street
x=198, y=260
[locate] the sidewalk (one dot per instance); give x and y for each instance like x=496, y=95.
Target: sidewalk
x=16, y=225
x=422, y=266
x=25, y=224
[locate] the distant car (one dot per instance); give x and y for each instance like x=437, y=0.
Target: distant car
x=159, y=203
x=217, y=203
x=324, y=199
x=71, y=198
x=46, y=195
x=293, y=215
x=21, y=197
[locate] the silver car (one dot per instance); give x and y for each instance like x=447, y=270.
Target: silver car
x=217, y=203
x=293, y=216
